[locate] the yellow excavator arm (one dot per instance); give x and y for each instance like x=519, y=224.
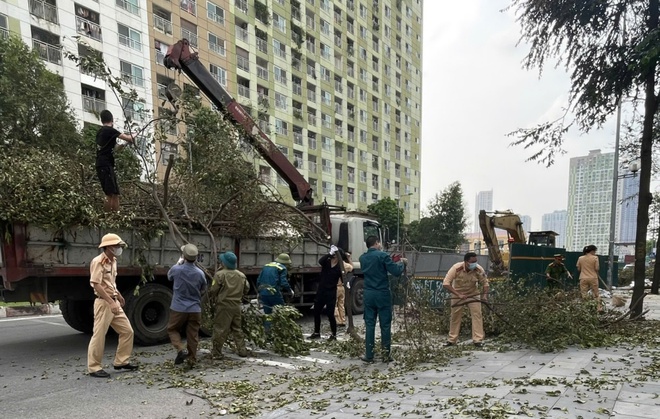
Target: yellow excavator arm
x=505, y=220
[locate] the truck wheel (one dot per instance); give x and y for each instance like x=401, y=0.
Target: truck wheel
x=79, y=314
x=149, y=312
x=357, y=294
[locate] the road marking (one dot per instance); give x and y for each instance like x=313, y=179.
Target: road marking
x=274, y=363
x=314, y=360
x=28, y=318
x=53, y=323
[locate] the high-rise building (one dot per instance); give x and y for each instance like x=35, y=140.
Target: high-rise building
x=337, y=85
x=556, y=221
x=527, y=223
x=589, y=201
x=483, y=201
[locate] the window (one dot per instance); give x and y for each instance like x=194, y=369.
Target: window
x=327, y=143
x=280, y=75
x=279, y=48
x=280, y=101
x=88, y=23
x=217, y=45
x=219, y=73
x=134, y=111
x=130, y=6
x=132, y=74
x=298, y=159
x=129, y=37
x=279, y=23
x=326, y=166
x=325, y=74
x=215, y=13
x=281, y=127
x=326, y=97
x=167, y=150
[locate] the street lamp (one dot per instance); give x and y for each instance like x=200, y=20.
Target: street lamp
x=398, y=216
x=633, y=168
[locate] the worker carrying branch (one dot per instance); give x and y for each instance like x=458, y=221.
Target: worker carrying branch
x=106, y=143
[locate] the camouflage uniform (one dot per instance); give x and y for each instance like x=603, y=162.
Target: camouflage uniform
x=556, y=270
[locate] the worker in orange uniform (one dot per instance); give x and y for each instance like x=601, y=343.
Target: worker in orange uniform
x=108, y=310
x=463, y=281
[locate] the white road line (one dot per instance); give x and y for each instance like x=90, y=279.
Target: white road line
x=314, y=360
x=53, y=323
x=30, y=318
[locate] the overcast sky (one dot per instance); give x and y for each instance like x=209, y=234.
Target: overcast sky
x=475, y=91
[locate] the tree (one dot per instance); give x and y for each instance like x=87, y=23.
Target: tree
x=389, y=215
x=445, y=223
x=610, y=48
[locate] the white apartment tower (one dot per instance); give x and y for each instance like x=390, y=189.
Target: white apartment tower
x=556, y=221
x=483, y=201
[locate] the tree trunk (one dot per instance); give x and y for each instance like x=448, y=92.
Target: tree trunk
x=645, y=197
x=656, y=269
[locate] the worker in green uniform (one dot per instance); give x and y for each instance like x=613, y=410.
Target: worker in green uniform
x=375, y=265
x=229, y=287
x=554, y=273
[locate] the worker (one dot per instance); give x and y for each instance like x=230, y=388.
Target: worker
x=340, y=309
x=463, y=281
x=227, y=292
x=554, y=273
x=189, y=283
x=333, y=267
x=270, y=283
x=108, y=310
x=106, y=143
x=375, y=266
x=587, y=266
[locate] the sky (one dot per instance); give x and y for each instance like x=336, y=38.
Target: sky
x=475, y=91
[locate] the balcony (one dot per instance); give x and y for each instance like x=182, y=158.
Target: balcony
x=131, y=43
x=4, y=33
x=244, y=91
x=43, y=10
x=297, y=89
x=312, y=166
x=311, y=96
x=93, y=105
x=338, y=41
x=262, y=72
x=163, y=25
x=188, y=6
x=190, y=36
x=88, y=28
x=242, y=5
x=339, y=195
x=310, y=23
x=262, y=45
x=128, y=6
x=338, y=88
x=297, y=138
x=48, y=52
x=243, y=63
x=218, y=49
x=295, y=63
x=280, y=52
x=311, y=47
x=311, y=119
x=242, y=34
x=132, y=79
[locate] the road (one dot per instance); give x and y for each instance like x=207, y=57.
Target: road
x=42, y=368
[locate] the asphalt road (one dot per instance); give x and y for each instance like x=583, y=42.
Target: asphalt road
x=43, y=374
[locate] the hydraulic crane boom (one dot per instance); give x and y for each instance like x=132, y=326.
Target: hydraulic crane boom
x=504, y=220
x=180, y=57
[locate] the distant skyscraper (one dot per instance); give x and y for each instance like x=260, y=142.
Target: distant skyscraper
x=629, y=198
x=589, y=201
x=483, y=201
x=556, y=221
x=527, y=223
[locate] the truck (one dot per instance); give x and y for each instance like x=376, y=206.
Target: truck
x=38, y=264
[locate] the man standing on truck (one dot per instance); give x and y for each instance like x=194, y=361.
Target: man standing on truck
x=189, y=283
x=554, y=273
x=106, y=143
x=270, y=283
x=462, y=280
x=375, y=265
x=229, y=287
x=326, y=293
x=108, y=310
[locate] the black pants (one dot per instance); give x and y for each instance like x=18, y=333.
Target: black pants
x=325, y=298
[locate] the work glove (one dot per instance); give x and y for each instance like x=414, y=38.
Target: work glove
x=404, y=260
x=333, y=249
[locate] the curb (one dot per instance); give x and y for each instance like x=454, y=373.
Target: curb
x=23, y=311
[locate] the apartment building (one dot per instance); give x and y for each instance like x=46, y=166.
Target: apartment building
x=556, y=221
x=337, y=85
x=117, y=29
x=483, y=201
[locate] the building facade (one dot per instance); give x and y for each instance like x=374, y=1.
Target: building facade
x=589, y=201
x=527, y=223
x=337, y=85
x=556, y=221
x=483, y=201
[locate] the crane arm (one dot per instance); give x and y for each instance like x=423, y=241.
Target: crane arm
x=181, y=58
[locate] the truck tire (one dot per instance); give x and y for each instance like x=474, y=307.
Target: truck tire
x=149, y=312
x=357, y=296
x=79, y=314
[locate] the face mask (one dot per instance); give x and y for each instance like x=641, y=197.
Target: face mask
x=472, y=266
x=117, y=251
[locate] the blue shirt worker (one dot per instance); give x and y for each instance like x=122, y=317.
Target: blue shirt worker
x=375, y=265
x=186, y=308
x=229, y=287
x=270, y=283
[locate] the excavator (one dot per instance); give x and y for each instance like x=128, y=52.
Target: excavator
x=511, y=223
